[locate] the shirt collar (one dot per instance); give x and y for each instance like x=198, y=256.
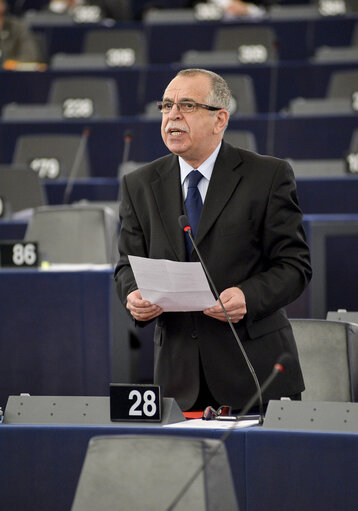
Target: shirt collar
x=206, y=168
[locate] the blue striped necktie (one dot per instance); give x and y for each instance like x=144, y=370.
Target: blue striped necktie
x=193, y=206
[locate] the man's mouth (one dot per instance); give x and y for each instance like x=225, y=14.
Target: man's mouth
x=175, y=131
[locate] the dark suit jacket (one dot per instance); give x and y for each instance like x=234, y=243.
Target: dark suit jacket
x=250, y=235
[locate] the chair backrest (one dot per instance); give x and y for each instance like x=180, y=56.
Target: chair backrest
x=151, y=111
x=216, y=58
x=241, y=138
x=318, y=168
x=78, y=61
x=75, y=234
x=31, y=112
x=321, y=106
x=343, y=315
x=254, y=45
x=335, y=54
x=122, y=47
x=154, y=16
x=353, y=147
x=243, y=93
x=128, y=167
x=343, y=84
x=85, y=97
x=21, y=188
x=52, y=156
x=147, y=472
x=328, y=353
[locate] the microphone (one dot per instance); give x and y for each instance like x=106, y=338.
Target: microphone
x=76, y=165
x=185, y=225
x=128, y=137
x=283, y=362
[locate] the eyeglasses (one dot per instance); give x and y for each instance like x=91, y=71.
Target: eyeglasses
x=184, y=106
x=211, y=413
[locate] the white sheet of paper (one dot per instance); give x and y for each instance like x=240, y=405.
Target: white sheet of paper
x=174, y=286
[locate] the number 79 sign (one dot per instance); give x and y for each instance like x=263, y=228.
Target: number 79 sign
x=135, y=402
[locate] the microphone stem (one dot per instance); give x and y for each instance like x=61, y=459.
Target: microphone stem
x=258, y=395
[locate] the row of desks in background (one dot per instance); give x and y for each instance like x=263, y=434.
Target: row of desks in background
x=275, y=85
x=326, y=137
x=297, y=39
x=316, y=195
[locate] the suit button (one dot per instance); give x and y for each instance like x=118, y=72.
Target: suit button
x=194, y=334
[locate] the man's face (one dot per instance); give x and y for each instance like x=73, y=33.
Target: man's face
x=194, y=135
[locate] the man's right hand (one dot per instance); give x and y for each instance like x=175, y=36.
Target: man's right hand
x=142, y=310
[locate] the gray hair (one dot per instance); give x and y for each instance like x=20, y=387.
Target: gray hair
x=220, y=94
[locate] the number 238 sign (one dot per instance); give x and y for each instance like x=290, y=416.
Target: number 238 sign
x=135, y=402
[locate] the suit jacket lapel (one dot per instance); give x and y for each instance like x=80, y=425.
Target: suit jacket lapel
x=168, y=195
x=223, y=182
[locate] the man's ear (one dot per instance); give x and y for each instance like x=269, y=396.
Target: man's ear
x=222, y=118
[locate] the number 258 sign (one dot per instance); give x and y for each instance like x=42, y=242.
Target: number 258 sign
x=135, y=402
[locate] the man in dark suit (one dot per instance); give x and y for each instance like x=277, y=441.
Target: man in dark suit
x=250, y=235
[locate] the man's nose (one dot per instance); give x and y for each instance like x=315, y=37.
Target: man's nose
x=175, y=112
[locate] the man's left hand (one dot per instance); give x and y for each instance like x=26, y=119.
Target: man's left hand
x=234, y=302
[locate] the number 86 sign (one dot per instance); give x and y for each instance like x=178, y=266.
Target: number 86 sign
x=135, y=402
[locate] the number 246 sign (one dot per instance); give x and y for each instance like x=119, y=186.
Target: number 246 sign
x=135, y=402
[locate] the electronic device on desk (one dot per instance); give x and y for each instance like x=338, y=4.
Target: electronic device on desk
x=18, y=254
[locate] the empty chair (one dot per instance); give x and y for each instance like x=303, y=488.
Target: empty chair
x=53, y=156
x=254, y=45
x=335, y=54
x=85, y=97
x=293, y=12
x=121, y=47
x=243, y=94
x=343, y=315
x=320, y=106
x=148, y=472
x=354, y=142
x=78, y=61
x=75, y=234
x=31, y=112
x=21, y=188
x=216, y=58
x=46, y=18
x=343, y=84
x=128, y=166
x=241, y=138
x=151, y=111
x=318, y=168
x=328, y=352
x=153, y=16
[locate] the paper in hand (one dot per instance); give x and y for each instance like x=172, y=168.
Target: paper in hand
x=173, y=285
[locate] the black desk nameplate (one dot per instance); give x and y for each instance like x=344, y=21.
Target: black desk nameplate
x=18, y=254
x=135, y=402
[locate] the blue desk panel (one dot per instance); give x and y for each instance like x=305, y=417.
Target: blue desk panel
x=301, y=471
x=55, y=332
x=272, y=471
x=333, y=241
